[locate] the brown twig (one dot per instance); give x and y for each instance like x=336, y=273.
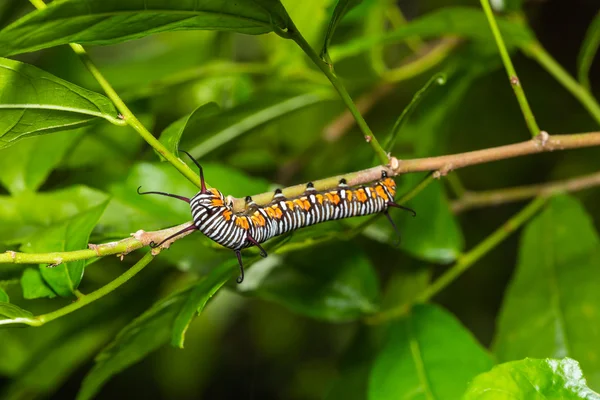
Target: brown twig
x=442, y=165
x=509, y=195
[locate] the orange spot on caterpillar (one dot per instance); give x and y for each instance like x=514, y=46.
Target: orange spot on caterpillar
x=217, y=202
x=329, y=196
x=390, y=184
x=336, y=198
x=306, y=204
x=227, y=215
x=361, y=195
x=242, y=222
x=258, y=219
x=381, y=192
x=299, y=203
x=290, y=204
x=349, y=195
x=319, y=198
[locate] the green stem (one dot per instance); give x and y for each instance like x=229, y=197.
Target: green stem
x=297, y=37
x=128, y=116
x=510, y=70
x=538, y=53
x=84, y=300
x=466, y=261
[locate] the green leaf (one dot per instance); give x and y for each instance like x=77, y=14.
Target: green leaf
x=193, y=122
x=142, y=336
x=34, y=286
x=589, y=48
x=21, y=215
x=13, y=312
x=111, y=21
x=27, y=164
x=429, y=354
x=34, y=102
x=228, y=125
x=198, y=298
x=465, y=22
x=553, y=301
x=72, y=234
x=341, y=8
x=334, y=284
x=4, y=296
x=433, y=235
x=532, y=379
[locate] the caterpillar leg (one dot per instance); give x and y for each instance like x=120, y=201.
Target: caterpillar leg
x=387, y=214
x=187, y=200
x=389, y=217
x=189, y=228
x=410, y=210
x=240, y=278
x=263, y=253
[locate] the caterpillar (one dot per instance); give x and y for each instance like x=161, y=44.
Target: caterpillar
x=213, y=213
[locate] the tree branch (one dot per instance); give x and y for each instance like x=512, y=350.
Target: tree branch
x=442, y=165
x=120, y=248
x=509, y=195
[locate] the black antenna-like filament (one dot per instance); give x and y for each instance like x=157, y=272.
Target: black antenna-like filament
x=202, y=182
x=182, y=198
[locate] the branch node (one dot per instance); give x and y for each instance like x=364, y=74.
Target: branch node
x=94, y=247
x=542, y=139
x=514, y=80
x=57, y=262
x=394, y=163
x=368, y=138
x=12, y=254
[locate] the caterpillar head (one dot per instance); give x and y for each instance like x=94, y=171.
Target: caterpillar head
x=212, y=199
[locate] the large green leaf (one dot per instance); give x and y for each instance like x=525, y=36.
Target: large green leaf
x=341, y=8
x=552, y=306
x=588, y=50
x=532, y=379
x=428, y=355
x=27, y=164
x=460, y=21
x=21, y=215
x=72, y=234
x=34, y=102
x=198, y=298
x=336, y=284
x=111, y=21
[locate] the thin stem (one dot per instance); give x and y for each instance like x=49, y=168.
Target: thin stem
x=345, y=96
x=442, y=165
x=510, y=70
x=509, y=195
x=465, y=262
x=456, y=185
x=84, y=300
x=538, y=53
x=128, y=116
x=120, y=248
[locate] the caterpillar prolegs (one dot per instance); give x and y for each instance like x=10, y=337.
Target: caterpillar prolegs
x=213, y=214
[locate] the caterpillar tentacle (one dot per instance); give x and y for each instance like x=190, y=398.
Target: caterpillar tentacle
x=213, y=214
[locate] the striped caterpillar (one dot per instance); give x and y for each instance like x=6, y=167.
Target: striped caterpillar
x=213, y=213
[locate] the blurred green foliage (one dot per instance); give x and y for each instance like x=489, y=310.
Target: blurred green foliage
x=227, y=84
